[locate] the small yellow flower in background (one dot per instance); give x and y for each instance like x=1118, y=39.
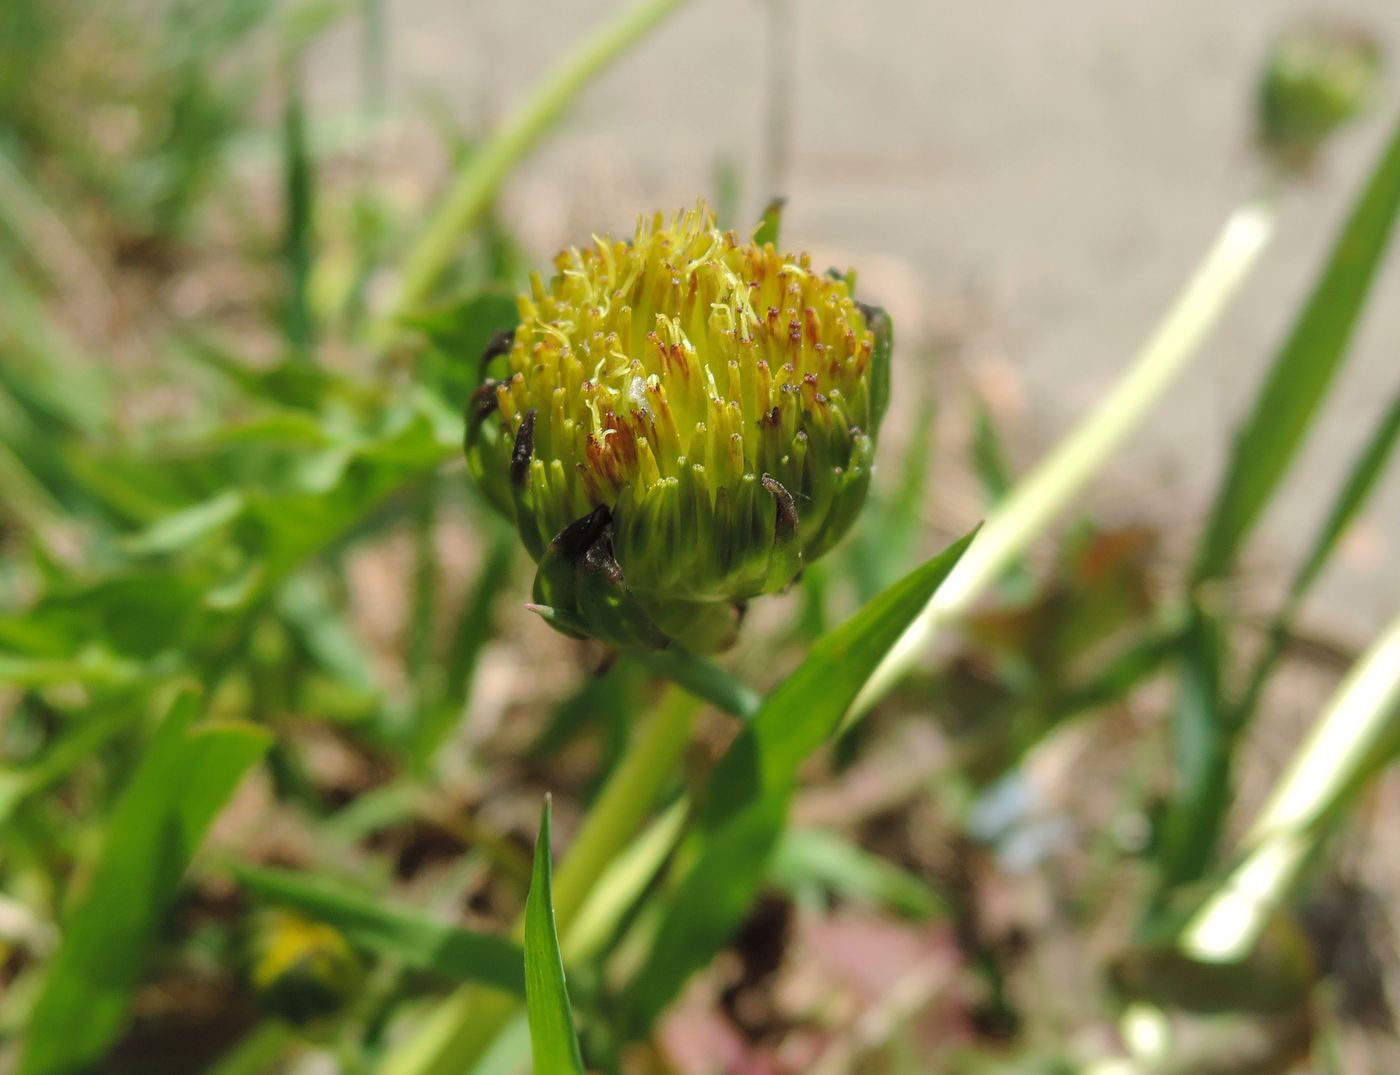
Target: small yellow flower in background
x=300, y=969
x=679, y=424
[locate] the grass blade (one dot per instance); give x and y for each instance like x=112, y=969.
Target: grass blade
x=1355, y=737
x=1044, y=493
x=367, y=922
x=475, y=186
x=553, y=1040
x=810, y=859
x=1207, y=730
x=183, y=781
x=1204, y=750
x=1304, y=369
x=297, y=238
x=1360, y=483
x=745, y=802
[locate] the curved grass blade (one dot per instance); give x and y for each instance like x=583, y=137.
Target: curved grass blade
x=367, y=922
x=553, y=1040
x=184, y=779
x=1206, y=730
x=745, y=803
x=1353, y=740
x=1360, y=483
x=1303, y=370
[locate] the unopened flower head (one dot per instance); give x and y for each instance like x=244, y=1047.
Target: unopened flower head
x=679, y=423
x=1318, y=76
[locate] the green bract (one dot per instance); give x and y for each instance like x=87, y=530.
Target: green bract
x=679, y=423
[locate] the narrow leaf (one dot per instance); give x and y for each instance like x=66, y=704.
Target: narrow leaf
x=186, y=776
x=811, y=858
x=1360, y=484
x=1304, y=369
x=745, y=802
x=770, y=222
x=379, y=926
x=553, y=1040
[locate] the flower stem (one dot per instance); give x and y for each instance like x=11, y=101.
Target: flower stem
x=455, y=1034
x=474, y=187
x=1044, y=493
x=1348, y=741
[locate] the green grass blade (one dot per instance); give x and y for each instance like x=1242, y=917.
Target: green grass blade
x=989, y=455
x=1203, y=743
x=806, y=709
x=811, y=859
x=298, y=182
x=770, y=223
x=472, y=190
x=470, y=634
x=554, y=1043
x=1303, y=370
x=185, y=777
x=745, y=802
x=1361, y=482
x=1356, y=736
x=376, y=925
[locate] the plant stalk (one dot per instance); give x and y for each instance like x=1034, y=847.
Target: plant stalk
x=1346, y=744
x=1039, y=498
x=475, y=185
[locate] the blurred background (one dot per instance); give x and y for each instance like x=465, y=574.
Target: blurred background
x=1037, y=182
x=214, y=468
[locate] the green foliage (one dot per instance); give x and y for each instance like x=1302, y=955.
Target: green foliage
x=1207, y=724
x=1303, y=369
x=186, y=774
x=377, y=925
x=744, y=806
x=553, y=1040
x=293, y=531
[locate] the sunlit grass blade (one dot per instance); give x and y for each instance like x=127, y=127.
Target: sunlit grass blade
x=1045, y=492
x=1357, y=735
x=367, y=922
x=744, y=804
x=1303, y=370
x=472, y=189
x=1361, y=481
x=553, y=1040
x=187, y=774
x=1207, y=731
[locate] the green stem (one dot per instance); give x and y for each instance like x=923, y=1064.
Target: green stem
x=476, y=184
x=1345, y=746
x=1044, y=493
x=455, y=1035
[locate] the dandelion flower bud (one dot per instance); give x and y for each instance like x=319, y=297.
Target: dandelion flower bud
x=1317, y=77
x=679, y=423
